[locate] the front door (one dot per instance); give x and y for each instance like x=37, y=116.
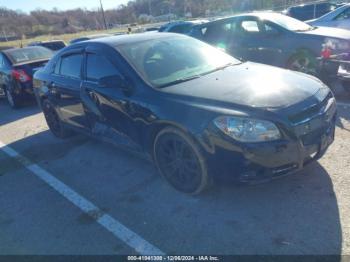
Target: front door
x=258, y=41
x=107, y=107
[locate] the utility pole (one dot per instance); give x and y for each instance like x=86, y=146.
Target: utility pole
x=149, y=7
x=103, y=15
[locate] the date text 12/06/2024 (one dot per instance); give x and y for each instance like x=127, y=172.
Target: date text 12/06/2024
x=173, y=258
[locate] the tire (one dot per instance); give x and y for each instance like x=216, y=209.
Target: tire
x=346, y=85
x=180, y=161
x=12, y=99
x=303, y=62
x=54, y=122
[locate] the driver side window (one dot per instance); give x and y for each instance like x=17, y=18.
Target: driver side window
x=98, y=67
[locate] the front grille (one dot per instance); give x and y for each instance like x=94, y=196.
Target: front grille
x=309, y=112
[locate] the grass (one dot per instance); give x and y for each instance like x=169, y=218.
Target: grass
x=64, y=37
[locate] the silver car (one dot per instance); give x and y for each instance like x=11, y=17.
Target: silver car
x=339, y=18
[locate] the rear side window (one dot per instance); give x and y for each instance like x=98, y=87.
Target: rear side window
x=98, y=67
x=71, y=66
x=250, y=26
x=219, y=33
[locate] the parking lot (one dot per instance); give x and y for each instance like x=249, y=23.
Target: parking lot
x=82, y=196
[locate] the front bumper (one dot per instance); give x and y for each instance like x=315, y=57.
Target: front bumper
x=260, y=162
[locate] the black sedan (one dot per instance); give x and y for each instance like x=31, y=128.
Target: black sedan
x=196, y=111
x=17, y=66
x=277, y=40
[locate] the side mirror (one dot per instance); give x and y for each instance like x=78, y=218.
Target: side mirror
x=115, y=81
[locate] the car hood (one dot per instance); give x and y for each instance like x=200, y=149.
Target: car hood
x=251, y=84
x=329, y=32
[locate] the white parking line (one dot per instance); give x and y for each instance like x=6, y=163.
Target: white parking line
x=120, y=231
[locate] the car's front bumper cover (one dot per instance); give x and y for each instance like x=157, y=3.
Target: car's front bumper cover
x=258, y=162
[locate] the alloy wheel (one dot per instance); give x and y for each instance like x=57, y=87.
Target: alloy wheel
x=178, y=163
x=52, y=119
x=303, y=64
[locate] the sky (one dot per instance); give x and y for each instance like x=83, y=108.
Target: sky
x=29, y=5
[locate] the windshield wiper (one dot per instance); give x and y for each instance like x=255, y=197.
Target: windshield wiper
x=180, y=80
x=185, y=79
x=220, y=68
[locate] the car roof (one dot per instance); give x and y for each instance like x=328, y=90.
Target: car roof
x=132, y=38
x=308, y=4
x=262, y=15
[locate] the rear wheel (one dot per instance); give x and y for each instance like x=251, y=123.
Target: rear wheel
x=12, y=99
x=180, y=161
x=53, y=121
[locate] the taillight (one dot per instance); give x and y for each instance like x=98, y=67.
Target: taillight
x=20, y=75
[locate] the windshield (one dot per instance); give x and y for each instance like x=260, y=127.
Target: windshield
x=55, y=46
x=28, y=54
x=288, y=23
x=169, y=60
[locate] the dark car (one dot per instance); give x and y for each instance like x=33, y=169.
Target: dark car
x=88, y=37
x=53, y=45
x=275, y=39
x=196, y=111
x=180, y=27
x=17, y=67
x=339, y=18
x=310, y=11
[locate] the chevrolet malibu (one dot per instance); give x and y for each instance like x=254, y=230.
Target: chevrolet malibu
x=197, y=112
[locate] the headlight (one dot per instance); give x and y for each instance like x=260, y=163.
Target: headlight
x=322, y=94
x=247, y=129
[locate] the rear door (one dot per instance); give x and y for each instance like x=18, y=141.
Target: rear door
x=65, y=88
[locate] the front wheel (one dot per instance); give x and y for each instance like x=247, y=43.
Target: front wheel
x=180, y=161
x=53, y=121
x=303, y=62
